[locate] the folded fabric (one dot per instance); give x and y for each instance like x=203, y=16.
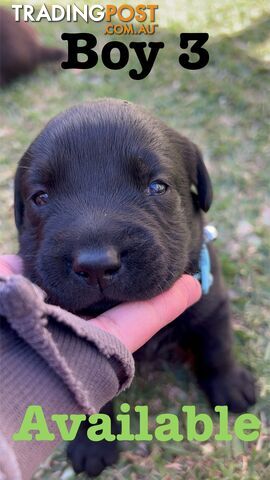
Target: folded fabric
x=52, y=358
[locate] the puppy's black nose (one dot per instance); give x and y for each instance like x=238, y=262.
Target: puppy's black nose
x=97, y=265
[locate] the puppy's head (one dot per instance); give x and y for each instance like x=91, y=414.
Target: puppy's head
x=105, y=206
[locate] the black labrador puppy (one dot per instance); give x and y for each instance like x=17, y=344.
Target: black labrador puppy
x=20, y=49
x=109, y=205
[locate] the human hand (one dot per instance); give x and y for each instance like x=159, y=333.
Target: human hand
x=10, y=265
x=134, y=323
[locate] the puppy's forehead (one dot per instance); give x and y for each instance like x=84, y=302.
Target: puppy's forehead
x=93, y=138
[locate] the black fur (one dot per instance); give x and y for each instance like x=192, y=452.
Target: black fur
x=96, y=162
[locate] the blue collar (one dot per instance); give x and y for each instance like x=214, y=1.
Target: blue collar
x=204, y=274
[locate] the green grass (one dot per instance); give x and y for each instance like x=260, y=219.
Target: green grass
x=225, y=108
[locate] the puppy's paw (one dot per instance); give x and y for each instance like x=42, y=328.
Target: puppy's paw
x=91, y=457
x=236, y=389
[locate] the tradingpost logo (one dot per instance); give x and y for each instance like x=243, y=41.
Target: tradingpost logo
x=124, y=19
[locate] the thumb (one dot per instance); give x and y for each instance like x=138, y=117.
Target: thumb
x=10, y=264
x=136, y=322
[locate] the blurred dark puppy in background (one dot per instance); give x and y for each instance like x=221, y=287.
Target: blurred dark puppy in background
x=109, y=205
x=20, y=49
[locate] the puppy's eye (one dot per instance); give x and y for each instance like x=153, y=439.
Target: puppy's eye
x=40, y=198
x=158, y=187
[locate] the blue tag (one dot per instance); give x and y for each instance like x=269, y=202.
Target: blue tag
x=204, y=275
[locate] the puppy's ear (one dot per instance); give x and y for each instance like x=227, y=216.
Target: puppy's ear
x=18, y=200
x=201, y=185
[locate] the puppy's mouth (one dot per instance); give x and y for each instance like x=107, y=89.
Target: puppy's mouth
x=88, y=301
x=97, y=308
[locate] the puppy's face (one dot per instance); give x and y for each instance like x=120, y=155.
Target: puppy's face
x=104, y=206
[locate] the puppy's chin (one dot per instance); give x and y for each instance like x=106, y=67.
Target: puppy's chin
x=97, y=308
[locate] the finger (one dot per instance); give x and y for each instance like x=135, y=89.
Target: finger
x=10, y=264
x=135, y=323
